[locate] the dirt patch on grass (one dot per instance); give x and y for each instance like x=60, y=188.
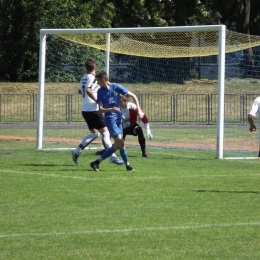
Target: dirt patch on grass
x=128, y=143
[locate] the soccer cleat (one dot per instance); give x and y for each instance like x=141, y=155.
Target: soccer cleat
x=150, y=136
x=94, y=166
x=147, y=155
x=100, y=152
x=75, y=156
x=129, y=168
x=116, y=160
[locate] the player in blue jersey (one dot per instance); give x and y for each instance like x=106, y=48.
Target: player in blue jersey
x=108, y=99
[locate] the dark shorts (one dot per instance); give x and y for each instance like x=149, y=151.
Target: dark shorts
x=130, y=130
x=94, y=119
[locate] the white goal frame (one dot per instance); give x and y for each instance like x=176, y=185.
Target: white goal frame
x=221, y=29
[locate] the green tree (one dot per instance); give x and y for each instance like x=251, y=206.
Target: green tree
x=20, y=24
x=254, y=23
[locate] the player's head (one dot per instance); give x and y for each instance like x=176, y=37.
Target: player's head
x=90, y=65
x=102, y=78
x=124, y=100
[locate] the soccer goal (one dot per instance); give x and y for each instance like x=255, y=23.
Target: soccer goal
x=152, y=60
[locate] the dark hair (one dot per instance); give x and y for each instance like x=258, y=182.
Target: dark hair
x=90, y=64
x=102, y=75
x=126, y=97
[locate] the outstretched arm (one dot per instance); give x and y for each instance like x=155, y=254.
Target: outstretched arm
x=144, y=119
x=147, y=127
x=135, y=99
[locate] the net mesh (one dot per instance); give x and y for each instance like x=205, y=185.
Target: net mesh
x=167, y=44
x=155, y=62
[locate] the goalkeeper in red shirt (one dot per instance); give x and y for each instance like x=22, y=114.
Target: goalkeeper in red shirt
x=130, y=113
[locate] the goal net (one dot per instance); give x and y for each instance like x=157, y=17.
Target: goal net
x=178, y=74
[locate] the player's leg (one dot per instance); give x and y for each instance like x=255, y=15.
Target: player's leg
x=120, y=142
x=89, y=117
x=136, y=130
x=106, y=141
x=141, y=139
x=107, y=153
x=105, y=137
x=115, y=129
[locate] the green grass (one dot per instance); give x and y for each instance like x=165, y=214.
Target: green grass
x=176, y=205
x=238, y=86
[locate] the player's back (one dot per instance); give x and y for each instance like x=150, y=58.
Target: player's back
x=88, y=81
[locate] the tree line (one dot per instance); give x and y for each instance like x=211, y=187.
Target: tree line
x=21, y=21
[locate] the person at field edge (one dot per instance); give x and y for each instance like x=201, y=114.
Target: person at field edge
x=130, y=113
x=108, y=100
x=88, y=88
x=255, y=110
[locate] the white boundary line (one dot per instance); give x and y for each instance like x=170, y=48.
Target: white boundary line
x=241, y=158
x=71, y=148
x=126, y=178
x=127, y=230
x=81, y=177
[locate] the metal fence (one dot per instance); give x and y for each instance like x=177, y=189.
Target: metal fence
x=161, y=108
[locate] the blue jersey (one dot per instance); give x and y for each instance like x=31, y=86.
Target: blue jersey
x=110, y=98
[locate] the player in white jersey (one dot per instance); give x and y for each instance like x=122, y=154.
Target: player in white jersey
x=88, y=88
x=255, y=110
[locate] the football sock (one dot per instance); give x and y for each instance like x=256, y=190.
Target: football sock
x=107, y=153
x=87, y=140
x=124, y=155
x=106, y=141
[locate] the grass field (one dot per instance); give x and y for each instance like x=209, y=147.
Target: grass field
x=176, y=205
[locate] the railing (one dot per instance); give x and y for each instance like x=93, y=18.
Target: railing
x=167, y=108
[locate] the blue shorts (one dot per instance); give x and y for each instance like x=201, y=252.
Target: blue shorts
x=114, y=127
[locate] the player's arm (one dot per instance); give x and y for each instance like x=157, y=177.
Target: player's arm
x=252, y=127
x=147, y=126
x=135, y=99
x=105, y=110
x=144, y=119
x=80, y=91
x=90, y=93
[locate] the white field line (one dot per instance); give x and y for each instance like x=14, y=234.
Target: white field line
x=78, y=177
x=241, y=158
x=127, y=230
x=183, y=156
x=126, y=178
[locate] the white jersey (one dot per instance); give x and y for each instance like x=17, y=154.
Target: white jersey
x=129, y=114
x=256, y=109
x=88, y=81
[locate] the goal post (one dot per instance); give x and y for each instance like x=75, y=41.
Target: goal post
x=221, y=91
x=220, y=29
